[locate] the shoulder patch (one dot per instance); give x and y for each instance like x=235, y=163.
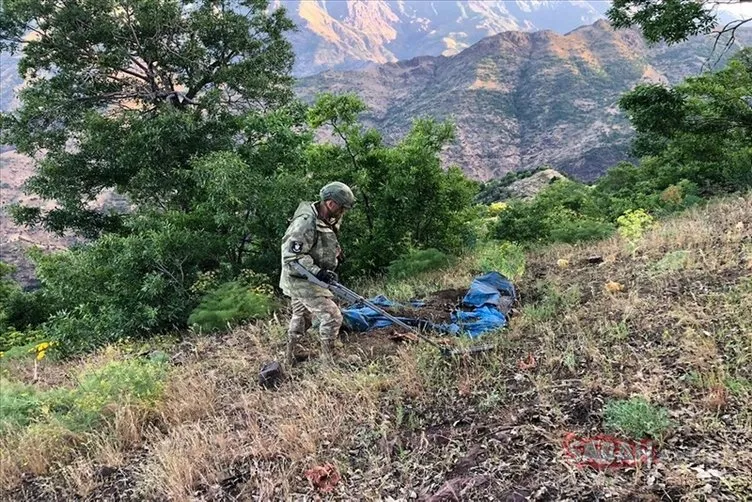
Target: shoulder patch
x=296, y=246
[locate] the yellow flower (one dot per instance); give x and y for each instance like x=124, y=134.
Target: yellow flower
x=43, y=346
x=497, y=208
x=40, y=355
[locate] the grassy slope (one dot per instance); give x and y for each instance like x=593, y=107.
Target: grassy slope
x=412, y=425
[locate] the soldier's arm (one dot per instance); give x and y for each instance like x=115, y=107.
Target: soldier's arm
x=298, y=242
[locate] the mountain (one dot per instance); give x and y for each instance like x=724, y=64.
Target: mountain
x=350, y=34
x=521, y=100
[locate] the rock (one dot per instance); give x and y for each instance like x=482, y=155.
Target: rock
x=270, y=374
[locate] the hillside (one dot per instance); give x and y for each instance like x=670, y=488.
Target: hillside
x=186, y=420
x=351, y=34
x=521, y=100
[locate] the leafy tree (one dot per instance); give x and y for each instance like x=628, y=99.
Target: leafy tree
x=699, y=130
x=672, y=21
x=565, y=211
x=406, y=199
x=121, y=94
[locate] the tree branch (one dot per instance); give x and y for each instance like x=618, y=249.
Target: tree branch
x=366, y=202
x=730, y=28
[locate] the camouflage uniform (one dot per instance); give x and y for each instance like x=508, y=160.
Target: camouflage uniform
x=313, y=243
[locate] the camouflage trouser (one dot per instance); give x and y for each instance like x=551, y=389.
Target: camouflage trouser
x=325, y=310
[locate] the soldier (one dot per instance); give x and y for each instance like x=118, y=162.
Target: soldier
x=311, y=239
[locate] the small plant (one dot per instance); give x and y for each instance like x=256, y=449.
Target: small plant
x=636, y=418
x=18, y=403
x=134, y=380
x=580, y=230
x=229, y=304
x=82, y=407
x=418, y=261
x=506, y=258
x=671, y=262
x=633, y=224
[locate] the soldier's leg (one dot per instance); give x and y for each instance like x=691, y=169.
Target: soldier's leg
x=330, y=319
x=300, y=321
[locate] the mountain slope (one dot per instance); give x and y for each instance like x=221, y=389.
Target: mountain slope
x=521, y=100
x=353, y=33
x=395, y=421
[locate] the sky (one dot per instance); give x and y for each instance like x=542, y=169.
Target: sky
x=741, y=10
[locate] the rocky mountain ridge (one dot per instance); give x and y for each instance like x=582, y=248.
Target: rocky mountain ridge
x=521, y=100
x=350, y=34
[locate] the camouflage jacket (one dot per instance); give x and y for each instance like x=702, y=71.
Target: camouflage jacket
x=312, y=242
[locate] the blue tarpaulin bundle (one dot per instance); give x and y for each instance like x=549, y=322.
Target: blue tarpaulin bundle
x=484, y=308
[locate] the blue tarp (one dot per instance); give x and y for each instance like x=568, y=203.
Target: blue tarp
x=484, y=308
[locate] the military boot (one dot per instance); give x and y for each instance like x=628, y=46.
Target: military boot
x=327, y=352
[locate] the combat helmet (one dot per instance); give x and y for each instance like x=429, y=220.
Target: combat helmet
x=339, y=193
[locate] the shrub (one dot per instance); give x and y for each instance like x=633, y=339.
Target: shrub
x=636, y=418
x=134, y=381
x=25, y=310
x=506, y=258
x=521, y=222
x=578, y=230
x=418, y=261
x=18, y=403
x=14, y=342
x=124, y=286
x=496, y=208
x=671, y=262
x=633, y=224
x=231, y=303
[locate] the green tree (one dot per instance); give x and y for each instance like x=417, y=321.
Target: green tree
x=121, y=94
x=406, y=199
x=565, y=211
x=671, y=21
x=699, y=130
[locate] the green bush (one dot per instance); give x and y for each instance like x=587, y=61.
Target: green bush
x=636, y=418
x=130, y=381
x=118, y=287
x=671, y=262
x=14, y=343
x=633, y=224
x=25, y=310
x=19, y=403
x=580, y=230
x=506, y=258
x=418, y=261
x=20, y=312
x=230, y=304
x=82, y=407
x=522, y=222
x=565, y=211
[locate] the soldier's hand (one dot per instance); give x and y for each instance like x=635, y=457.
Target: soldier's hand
x=327, y=276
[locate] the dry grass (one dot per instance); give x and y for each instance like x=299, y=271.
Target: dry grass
x=404, y=425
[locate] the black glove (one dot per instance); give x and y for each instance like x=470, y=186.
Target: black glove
x=327, y=276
